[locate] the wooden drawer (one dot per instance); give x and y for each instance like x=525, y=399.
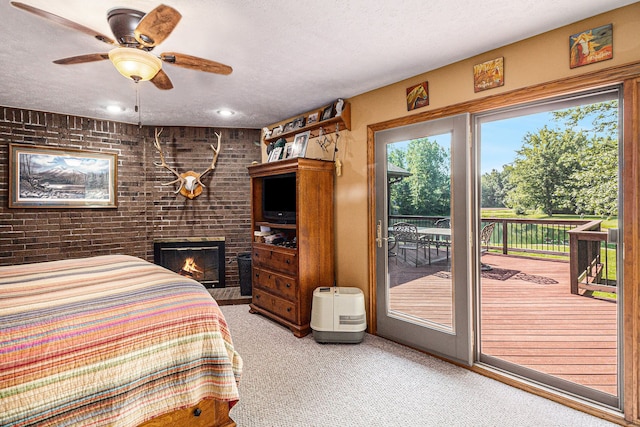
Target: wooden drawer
x=280, y=259
x=278, y=306
x=284, y=286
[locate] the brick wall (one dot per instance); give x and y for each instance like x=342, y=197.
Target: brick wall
x=146, y=210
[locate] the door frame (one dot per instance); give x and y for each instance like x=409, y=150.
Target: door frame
x=455, y=344
x=629, y=76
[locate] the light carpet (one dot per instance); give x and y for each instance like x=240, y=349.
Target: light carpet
x=296, y=382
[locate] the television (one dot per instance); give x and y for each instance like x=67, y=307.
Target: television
x=279, y=198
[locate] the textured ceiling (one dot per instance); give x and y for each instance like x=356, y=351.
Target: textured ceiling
x=288, y=56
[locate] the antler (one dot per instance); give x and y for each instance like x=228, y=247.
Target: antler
x=164, y=164
x=216, y=151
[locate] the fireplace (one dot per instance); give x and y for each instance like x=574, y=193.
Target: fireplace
x=198, y=258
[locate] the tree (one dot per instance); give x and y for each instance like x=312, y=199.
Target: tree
x=542, y=170
x=493, y=189
x=430, y=165
x=428, y=190
x=400, y=197
x=595, y=184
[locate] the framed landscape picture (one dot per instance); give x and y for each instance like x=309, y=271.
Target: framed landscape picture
x=52, y=177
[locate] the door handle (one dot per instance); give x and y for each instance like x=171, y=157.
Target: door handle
x=379, y=238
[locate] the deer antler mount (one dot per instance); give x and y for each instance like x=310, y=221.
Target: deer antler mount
x=190, y=181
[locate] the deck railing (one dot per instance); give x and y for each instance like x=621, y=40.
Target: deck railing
x=588, y=271
x=544, y=236
x=580, y=241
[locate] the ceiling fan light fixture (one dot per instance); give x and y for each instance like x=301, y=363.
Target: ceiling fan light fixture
x=135, y=64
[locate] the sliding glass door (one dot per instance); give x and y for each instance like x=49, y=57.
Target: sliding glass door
x=423, y=291
x=549, y=221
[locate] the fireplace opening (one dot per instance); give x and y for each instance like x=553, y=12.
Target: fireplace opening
x=201, y=259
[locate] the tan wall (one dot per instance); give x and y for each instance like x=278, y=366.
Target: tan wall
x=529, y=62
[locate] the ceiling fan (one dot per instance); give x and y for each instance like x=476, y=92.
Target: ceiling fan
x=136, y=34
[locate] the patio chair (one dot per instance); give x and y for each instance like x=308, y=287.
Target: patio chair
x=485, y=237
x=408, y=239
x=391, y=245
x=442, y=241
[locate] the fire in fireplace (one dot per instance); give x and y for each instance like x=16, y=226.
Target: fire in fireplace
x=201, y=259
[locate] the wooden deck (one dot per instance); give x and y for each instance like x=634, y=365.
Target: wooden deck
x=528, y=316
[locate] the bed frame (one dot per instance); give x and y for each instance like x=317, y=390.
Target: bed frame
x=208, y=413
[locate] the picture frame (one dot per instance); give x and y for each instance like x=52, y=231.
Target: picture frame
x=275, y=154
x=417, y=96
x=299, y=122
x=313, y=117
x=57, y=177
x=288, y=127
x=288, y=147
x=488, y=75
x=591, y=46
x=276, y=131
x=327, y=112
x=299, y=147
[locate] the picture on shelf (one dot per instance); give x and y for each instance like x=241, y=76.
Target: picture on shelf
x=313, y=117
x=299, y=147
x=276, y=130
x=275, y=154
x=287, y=150
x=326, y=113
x=298, y=123
x=288, y=127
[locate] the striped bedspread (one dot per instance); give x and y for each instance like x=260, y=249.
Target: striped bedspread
x=108, y=341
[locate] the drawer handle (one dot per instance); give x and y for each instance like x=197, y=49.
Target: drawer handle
x=288, y=261
x=289, y=309
x=288, y=285
x=257, y=274
x=258, y=296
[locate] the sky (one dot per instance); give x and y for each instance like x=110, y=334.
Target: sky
x=501, y=139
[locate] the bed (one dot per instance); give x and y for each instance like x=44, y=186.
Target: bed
x=112, y=340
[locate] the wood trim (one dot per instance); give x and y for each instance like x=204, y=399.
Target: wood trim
x=571, y=403
x=629, y=75
x=631, y=245
x=371, y=183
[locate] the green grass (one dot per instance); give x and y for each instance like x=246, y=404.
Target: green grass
x=510, y=213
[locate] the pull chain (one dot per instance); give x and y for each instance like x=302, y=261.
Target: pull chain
x=137, y=108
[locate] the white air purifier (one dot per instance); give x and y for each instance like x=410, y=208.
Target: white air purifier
x=338, y=315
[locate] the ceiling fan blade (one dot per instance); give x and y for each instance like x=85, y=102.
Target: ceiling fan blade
x=195, y=63
x=162, y=81
x=156, y=25
x=63, y=21
x=91, y=57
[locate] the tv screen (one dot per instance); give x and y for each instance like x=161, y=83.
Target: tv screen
x=279, y=198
